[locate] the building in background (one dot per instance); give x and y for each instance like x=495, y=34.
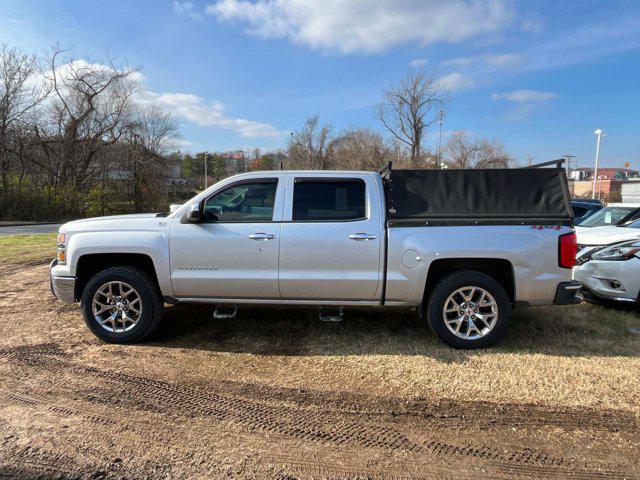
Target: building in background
x=604, y=173
x=631, y=191
x=235, y=161
x=609, y=184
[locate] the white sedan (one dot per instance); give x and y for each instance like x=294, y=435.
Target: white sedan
x=608, y=262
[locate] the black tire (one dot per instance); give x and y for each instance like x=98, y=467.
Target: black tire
x=152, y=304
x=447, y=286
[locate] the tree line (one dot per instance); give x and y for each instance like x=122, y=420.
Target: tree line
x=74, y=142
x=77, y=139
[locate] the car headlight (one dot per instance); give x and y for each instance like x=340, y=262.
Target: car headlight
x=61, y=250
x=621, y=251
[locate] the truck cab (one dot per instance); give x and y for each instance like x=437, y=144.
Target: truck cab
x=302, y=237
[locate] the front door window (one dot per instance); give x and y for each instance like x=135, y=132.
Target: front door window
x=244, y=203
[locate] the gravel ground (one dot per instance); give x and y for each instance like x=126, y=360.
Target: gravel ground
x=277, y=394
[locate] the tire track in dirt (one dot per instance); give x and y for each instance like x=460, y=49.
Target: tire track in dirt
x=257, y=414
x=291, y=467
x=448, y=412
x=31, y=463
x=173, y=399
x=12, y=268
x=302, y=468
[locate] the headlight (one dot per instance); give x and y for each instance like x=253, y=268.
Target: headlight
x=61, y=253
x=621, y=251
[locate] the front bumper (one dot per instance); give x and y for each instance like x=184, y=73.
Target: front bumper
x=613, y=280
x=567, y=293
x=64, y=288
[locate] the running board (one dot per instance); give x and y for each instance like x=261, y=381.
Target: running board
x=220, y=314
x=331, y=318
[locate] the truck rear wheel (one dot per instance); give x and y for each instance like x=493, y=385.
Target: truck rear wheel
x=469, y=309
x=121, y=305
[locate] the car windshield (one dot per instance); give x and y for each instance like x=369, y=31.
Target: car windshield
x=635, y=224
x=607, y=216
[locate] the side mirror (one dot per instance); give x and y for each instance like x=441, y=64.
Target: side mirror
x=194, y=214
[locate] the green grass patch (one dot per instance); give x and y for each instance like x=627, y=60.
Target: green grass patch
x=20, y=249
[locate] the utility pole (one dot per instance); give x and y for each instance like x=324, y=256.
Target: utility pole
x=599, y=136
x=440, y=122
x=569, y=159
x=205, y=169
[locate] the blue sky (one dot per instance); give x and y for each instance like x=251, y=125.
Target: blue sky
x=537, y=76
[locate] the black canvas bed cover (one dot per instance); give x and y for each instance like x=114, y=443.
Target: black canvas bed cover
x=510, y=196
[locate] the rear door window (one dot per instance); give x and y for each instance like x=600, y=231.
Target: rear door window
x=328, y=200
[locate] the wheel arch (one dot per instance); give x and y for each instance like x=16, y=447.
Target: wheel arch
x=90, y=264
x=499, y=269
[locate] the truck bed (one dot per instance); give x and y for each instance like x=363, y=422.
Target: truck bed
x=530, y=252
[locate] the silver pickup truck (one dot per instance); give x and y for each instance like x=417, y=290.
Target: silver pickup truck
x=331, y=239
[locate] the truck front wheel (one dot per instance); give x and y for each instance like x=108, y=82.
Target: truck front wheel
x=468, y=309
x=121, y=305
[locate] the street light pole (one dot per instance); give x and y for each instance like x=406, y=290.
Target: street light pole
x=205, y=171
x=440, y=122
x=598, y=133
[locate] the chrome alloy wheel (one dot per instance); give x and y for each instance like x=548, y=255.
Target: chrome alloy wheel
x=116, y=307
x=470, y=313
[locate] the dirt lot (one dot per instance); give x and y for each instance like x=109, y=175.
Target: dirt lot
x=278, y=394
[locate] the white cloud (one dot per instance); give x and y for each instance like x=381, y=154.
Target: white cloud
x=64, y=71
x=502, y=60
x=418, y=62
x=455, y=81
x=194, y=109
x=179, y=143
x=186, y=106
x=186, y=8
x=585, y=43
x=490, y=60
x=526, y=101
x=358, y=26
x=65, y=74
x=525, y=96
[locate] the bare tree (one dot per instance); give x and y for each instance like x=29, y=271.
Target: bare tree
x=409, y=108
x=73, y=141
x=92, y=108
x=463, y=153
x=311, y=148
x=360, y=149
x=150, y=138
x=20, y=94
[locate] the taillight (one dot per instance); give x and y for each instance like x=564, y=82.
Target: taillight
x=567, y=250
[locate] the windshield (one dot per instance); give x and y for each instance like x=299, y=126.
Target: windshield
x=607, y=216
x=635, y=224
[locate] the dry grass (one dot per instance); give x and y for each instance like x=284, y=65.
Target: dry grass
x=582, y=355
x=19, y=249
x=585, y=355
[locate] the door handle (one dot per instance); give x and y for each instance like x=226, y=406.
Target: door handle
x=262, y=236
x=362, y=237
